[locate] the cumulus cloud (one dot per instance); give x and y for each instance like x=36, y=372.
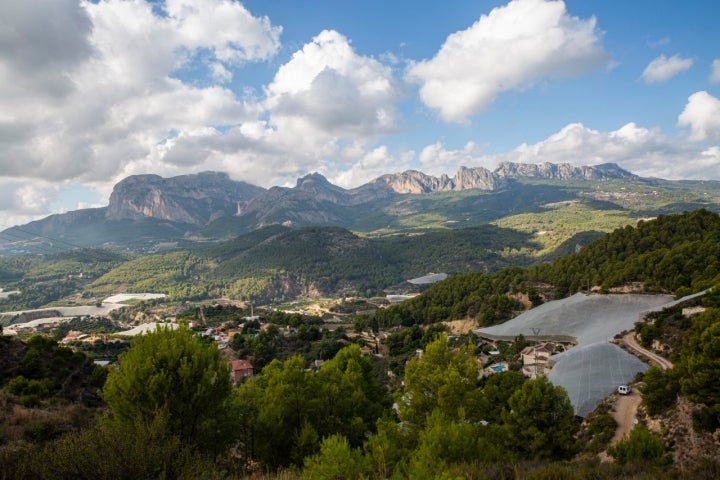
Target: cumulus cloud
x=317, y=114
x=95, y=91
x=715, y=71
x=436, y=159
x=643, y=151
x=23, y=200
x=41, y=42
x=663, y=68
x=94, y=86
x=510, y=48
x=372, y=164
x=225, y=27
x=335, y=90
x=702, y=116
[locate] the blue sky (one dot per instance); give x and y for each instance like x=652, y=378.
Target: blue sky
x=269, y=91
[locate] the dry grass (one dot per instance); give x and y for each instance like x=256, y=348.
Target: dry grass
x=461, y=327
x=18, y=423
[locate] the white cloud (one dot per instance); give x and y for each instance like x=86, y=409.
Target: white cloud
x=509, y=48
x=371, y=165
x=92, y=87
x=220, y=73
x=663, y=68
x=645, y=152
x=435, y=159
x=225, y=27
x=24, y=199
x=662, y=42
x=334, y=90
x=715, y=71
x=41, y=42
x=317, y=114
x=702, y=115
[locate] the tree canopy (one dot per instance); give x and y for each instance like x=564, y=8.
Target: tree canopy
x=175, y=373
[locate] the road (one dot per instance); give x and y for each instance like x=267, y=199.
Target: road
x=625, y=409
x=625, y=413
x=655, y=359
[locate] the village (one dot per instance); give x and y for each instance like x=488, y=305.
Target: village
x=578, y=330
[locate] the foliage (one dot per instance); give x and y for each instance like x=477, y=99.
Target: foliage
x=44, y=279
x=446, y=442
x=601, y=429
x=172, y=372
x=109, y=450
x=665, y=254
x=292, y=408
x=540, y=421
x=440, y=379
x=640, y=446
x=31, y=391
x=659, y=390
x=700, y=362
x=706, y=419
x=336, y=459
x=677, y=252
x=169, y=273
x=497, y=391
x=476, y=295
x=40, y=368
x=86, y=325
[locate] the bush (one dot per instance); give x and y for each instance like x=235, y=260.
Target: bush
x=706, y=419
x=640, y=446
x=21, y=386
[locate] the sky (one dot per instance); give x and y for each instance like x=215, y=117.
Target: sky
x=269, y=91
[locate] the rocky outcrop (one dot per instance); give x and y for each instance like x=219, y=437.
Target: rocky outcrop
x=477, y=178
x=193, y=199
x=563, y=171
x=415, y=182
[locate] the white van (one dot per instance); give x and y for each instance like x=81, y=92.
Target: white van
x=623, y=389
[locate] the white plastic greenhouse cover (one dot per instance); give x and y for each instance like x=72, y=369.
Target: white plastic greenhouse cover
x=591, y=373
x=594, y=368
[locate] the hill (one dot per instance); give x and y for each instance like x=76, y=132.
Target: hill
x=278, y=263
x=675, y=254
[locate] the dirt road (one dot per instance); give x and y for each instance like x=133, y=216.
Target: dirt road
x=624, y=413
x=625, y=409
x=655, y=359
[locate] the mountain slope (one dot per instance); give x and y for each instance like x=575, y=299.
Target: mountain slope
x=193, y=199
x=147, y=212
x=672, y=254
x=276, y=263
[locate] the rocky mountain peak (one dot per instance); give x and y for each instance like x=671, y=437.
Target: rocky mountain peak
x=563, y=171
x=193, y=199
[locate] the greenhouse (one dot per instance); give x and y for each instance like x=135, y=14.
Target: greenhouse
x=594, y=368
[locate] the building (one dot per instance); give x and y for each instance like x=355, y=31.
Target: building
x=535, y=359
x=240, y=370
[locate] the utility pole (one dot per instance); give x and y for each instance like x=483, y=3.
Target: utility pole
x=536, y=334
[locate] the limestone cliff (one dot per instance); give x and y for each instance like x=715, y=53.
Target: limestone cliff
x=194, y=199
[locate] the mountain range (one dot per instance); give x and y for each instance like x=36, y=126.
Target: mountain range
x=148, y=212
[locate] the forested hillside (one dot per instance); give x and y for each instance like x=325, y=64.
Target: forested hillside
x=277, y=263
x=675, y=254
x=42, y=279
x=669, y=254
